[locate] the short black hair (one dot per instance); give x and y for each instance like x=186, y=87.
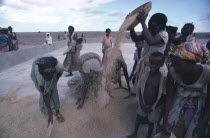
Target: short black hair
x=191, y=25
x=172, y=29
x=108, y=29
x=160, y=19
x=208, y=45
x=70, y=27
x=158, y=54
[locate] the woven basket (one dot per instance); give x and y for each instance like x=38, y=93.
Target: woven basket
x=147, y=7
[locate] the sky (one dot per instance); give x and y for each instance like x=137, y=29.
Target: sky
x=97, y=15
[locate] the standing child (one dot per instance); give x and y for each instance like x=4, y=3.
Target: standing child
x=150, y=95
x=106, y=42
x=137, y=56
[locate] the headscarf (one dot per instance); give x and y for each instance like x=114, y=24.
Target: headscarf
x=46, y=65
x=191, y=51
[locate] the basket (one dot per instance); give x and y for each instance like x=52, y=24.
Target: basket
x=147, y=7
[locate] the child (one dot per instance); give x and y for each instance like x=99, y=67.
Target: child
x=137, y=55
x=150, y=95
x=106, y=42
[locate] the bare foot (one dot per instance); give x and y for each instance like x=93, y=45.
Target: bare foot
x=60, y=118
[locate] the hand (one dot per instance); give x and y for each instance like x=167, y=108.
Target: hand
x=50, y=119
x=148, y=110
x=199, y=132
x=131, y=76
x=142, y=16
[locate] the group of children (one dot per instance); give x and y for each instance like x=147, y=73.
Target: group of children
x=171, y=81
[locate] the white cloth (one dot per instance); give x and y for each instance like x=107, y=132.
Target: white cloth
x=48, y=39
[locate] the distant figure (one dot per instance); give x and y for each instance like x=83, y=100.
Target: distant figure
x=106, y=42
x=13, y=39
x=45, y=74
x=65, y=36
x=48, y=39
x=59, y=37
x=68, y=63
x=4, y=46
x=208, y=47
x=82, y=36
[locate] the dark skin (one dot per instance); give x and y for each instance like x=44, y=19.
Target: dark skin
x=108, y=31
x=150, y=93
x=139, y=48
x=149, y=34
x=185, y=31
x=46, y=98
x=190, y=73
x=122, y=65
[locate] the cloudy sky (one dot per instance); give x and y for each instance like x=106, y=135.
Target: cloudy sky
x=96, y=15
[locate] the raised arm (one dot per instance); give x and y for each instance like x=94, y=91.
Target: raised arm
x=135, y=37
x=151, y=40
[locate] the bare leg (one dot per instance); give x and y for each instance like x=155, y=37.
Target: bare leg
x=150, y=130
x=136, y=127
x=82, y=100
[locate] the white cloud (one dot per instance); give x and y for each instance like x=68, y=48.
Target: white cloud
x=116, y=13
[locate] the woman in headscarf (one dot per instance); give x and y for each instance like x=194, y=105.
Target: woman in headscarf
x=48, y=39
x=45, y=74
x=187, y=107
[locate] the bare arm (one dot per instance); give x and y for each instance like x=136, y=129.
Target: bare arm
x=135, y=37
x=134, y=67
x=126, y=74
x=46, y=98
x=151, y=40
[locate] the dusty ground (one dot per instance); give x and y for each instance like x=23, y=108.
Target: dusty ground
x=20, y=116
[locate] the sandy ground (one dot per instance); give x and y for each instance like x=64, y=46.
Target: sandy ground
x=20, y=116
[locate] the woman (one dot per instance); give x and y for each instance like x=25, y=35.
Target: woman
x=187, y=104
x=45, y=74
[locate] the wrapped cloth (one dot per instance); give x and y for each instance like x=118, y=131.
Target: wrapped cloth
x=191, y=51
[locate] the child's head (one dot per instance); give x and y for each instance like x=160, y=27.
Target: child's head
x=108, y=31
x=139, y=45
x=171, y=32
x=157, y=23
x=187, y=29
x=208, y=45
x=156, y=60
